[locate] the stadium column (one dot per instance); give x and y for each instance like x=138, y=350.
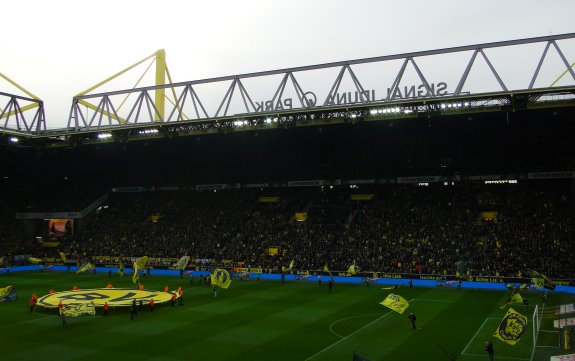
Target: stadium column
x=160, y=80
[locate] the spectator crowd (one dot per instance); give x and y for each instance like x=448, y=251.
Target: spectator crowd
x=497, y=230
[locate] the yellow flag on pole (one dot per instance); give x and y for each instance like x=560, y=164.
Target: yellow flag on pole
x=221, y=278
x=396, y=303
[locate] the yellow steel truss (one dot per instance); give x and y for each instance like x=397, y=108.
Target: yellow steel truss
x=159, y=57
x=561, y=76
x=26, y=107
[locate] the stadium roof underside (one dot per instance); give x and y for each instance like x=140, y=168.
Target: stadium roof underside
x=419, y=84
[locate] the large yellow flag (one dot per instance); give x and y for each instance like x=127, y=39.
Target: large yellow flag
x=512, y=327
x=515, y=298
x=139, y=265
x=63, y=256
x=396, y=303
x=542, y=281
x=221, y=278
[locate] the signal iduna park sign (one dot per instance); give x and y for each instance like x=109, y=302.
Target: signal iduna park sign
x=310, y=99
x=115, y=297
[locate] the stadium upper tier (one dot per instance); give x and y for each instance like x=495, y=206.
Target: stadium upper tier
x=496, y=143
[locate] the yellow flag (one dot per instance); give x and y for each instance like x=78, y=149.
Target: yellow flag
x=121, y=267
x=395, y=302
x=351, y=270
x=182, y=263
x=78, y=309
x=63, y=256
x=512, y=327
x=221, y=278
x=5, y=291
x=85, y=267
x=516, y=298
x=289, y=268
x=138, y=265
x=542, y=281
x=1, y=260
x=34, y=260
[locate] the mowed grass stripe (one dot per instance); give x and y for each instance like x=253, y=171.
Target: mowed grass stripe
x=448, y=329
x=380, y=337
x=268, y=326
x=251, y=321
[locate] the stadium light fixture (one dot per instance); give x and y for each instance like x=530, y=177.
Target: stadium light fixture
x=13, y=140
x=148, y=131
x=104, y=135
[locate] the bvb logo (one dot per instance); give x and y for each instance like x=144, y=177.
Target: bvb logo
x=512, y=327
x=222, y=278
x=113, y=296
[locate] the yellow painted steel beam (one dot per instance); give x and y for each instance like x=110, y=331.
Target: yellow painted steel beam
x=117, y=74
x=135, y=85
x=22, y=109
x=561, y=76
x=175, y=102
x=19, y=86
x=160, y=80
x=95, y=108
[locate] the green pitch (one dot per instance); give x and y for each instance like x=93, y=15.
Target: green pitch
x=267, y=321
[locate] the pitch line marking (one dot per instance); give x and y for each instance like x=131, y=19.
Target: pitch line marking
x=351, y=334
x=344, y=338
x=344, y=319
x=476, y=332
x=498, y=357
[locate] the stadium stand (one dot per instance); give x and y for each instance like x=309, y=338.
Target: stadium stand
x=498, y=229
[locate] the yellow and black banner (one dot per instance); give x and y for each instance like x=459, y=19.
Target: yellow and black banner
x=512, y=327
x=78, y=309
x=221, y=278
x=396, y=303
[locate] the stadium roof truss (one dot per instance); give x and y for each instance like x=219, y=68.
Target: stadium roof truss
x=16, y=112
x=236, y=104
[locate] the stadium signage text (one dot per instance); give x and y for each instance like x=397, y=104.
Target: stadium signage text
x=310, y=99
